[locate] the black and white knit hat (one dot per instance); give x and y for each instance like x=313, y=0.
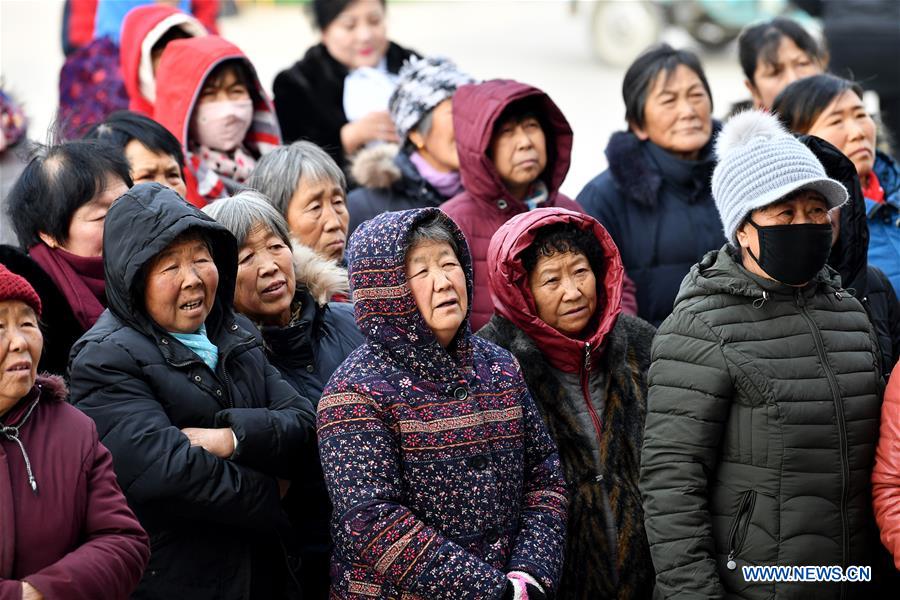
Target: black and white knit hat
x=423, y=84
x=759, y=162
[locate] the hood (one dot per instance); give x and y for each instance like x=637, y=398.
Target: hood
x=386, y=312
x=141, y=29
x=321, y=277
x=514, y=301
x=139, y=225
x=849, y=254
x=888, y=173
x=476, y=108
x=184, y=66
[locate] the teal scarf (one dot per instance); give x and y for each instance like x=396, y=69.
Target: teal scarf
x=200, y=344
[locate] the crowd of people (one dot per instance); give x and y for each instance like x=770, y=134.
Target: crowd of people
x=353, y=342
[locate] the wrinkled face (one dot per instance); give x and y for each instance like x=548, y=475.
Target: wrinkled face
x=181, y=285
x=438, y=285
x=317, y=215
x=86, y=226
x=519, y=152
x=439, y=146
x=565, y=291
x=358, y=36
x=21, y=344
x=265, y=278
x=677, y=114
x=148, y=165
x=846, y=124
x=769, y=80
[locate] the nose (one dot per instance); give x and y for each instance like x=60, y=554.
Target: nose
x=686, y=110
x=571, y=291
x=191, y=278
x=364, y=32
x=268, y=267
x=332, y=218
x=441, y=281
x=790, y=74
x=523, y=139
x=17, y=340
x=854, y=130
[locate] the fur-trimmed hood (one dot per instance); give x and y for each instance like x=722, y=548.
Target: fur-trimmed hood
x=321, y=277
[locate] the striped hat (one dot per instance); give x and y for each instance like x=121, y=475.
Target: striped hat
x=423, y=83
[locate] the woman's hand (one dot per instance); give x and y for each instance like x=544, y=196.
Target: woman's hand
x=218, y=442
x=29, y=593
x=376, y=125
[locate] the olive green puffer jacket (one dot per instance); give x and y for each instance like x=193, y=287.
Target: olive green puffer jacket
x=762, y=420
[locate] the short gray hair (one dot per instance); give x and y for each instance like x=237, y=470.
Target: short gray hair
x=435, y=228
x=278, y=173
x=246, y=211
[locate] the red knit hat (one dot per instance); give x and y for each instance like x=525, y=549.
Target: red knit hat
x=16, y=287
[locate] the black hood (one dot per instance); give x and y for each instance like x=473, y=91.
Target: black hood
x=140, y=225
x=848, y=256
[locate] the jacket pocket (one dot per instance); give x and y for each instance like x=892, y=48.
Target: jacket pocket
x=737, y=534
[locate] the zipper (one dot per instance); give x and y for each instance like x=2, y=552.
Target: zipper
x=842, y=428
x=739, y=526
x=585, y=374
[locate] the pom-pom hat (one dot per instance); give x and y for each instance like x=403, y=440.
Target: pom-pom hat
x=759, y=163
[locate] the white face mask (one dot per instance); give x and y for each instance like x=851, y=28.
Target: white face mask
x=223, y=125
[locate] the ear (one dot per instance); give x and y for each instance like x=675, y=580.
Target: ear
x=416, y=138
x=757, y=99
x=640, y=132
x=48, y=239
x=743, y=234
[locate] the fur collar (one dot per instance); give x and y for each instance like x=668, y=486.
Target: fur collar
x=323, y=278
x=374, y=167
x=53, y=387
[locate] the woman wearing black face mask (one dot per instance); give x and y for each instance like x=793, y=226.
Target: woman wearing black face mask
x=763, y=397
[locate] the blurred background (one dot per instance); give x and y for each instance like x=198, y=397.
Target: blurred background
x=577, y=51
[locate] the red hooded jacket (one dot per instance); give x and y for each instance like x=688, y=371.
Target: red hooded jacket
x=155, y=19
x=513, y=300
x=886, y=474
x=183, y=69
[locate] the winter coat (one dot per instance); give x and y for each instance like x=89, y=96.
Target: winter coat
x=214, y=524
x=309, y=98
x=849, y=255
x=761, y=415
x=884, y=221
x=591, y=394
x=660, y=212
x=486, y=204
x=72, y=535
x=306, y=352
x=144, y=26
x=183, y=69
x=58, y=323
x=886, y=474
x=389, y=181
x=442, y=475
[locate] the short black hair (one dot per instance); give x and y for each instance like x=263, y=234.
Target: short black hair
x=123, y=126
x=642, y=74
x=56, y=182
x=800, y=104
x=761, y=41
x=242, y=70
x=326, y=11
x=561, y=238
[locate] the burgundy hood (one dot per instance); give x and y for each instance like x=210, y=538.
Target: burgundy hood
x=513, y=299
x=476, y=108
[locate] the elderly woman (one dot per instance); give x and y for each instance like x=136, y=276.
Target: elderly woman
x=425, y=171
x=444, y=481
x=654, y=199
x=284, y=289
x=337, y=94
x=204, y=432
x=152, y=153
x=57, y=207
x=832, y=108
x=307, y=187
x=764, y=388
x=67, y=531
x=556, y=281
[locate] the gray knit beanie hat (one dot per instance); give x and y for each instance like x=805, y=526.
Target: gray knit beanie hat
x=423, y=83
x=759, y=162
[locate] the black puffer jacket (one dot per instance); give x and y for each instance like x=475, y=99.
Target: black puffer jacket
x=850, y=251
x=214, y=524
x=390, y=181
x=762, y=417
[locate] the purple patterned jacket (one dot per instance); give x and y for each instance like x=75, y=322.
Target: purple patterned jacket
x=441, y=473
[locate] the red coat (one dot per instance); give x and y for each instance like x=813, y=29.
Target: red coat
x=886, y=474
x=76, y=538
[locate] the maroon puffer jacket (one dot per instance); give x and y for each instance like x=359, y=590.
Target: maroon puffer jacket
x=486, y=204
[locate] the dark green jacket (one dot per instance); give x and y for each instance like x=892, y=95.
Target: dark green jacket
x=762, y=418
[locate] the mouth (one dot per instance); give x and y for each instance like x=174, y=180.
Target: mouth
x=20, y=366
x=860, y=152
x=192, y=305
x=447, y=304
x=366, y=51
x=274, y=288
x=575, y=311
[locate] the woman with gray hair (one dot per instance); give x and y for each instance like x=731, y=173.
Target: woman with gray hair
x=309, y=190
x=284, y=289
x=424, y=170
